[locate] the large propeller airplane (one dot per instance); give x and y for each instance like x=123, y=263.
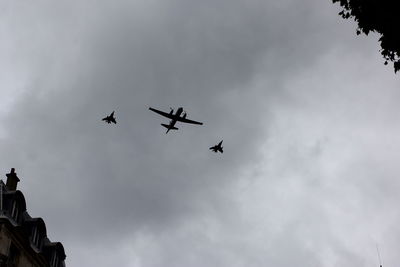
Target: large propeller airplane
x=179, y=115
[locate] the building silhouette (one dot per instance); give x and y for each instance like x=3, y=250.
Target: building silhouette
x=23, y=239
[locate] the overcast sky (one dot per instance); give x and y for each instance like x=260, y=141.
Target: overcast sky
x=308, y=113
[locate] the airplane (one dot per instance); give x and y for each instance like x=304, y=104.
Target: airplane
x=174, y=118
x=110, y=118
x=218, y=147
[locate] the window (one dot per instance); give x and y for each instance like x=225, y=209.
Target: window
x=14, y=211
x=54, y=260
x=34, y=234
x=35, y=237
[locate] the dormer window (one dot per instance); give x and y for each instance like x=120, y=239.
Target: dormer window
x=14, y=211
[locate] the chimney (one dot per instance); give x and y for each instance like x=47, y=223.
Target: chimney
x=12, y=180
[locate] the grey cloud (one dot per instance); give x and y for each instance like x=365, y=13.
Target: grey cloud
x=238, y=67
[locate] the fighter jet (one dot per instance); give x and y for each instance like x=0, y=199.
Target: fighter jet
x=110, y=118
x=218, y=147
x=174, y=118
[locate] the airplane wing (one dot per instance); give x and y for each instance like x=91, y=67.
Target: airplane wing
x=188, y=121
x=162, y=113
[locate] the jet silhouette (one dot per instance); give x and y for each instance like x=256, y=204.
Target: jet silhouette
x=110, y=118
x=174, y=118
x=218, y=147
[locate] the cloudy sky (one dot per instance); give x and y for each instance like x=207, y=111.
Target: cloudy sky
x=308, y=113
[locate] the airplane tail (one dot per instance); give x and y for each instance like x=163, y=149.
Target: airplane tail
x=169, y=127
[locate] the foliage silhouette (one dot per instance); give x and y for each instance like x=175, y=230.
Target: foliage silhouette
x=381, y=16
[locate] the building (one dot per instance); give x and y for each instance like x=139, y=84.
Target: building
x=23, y=239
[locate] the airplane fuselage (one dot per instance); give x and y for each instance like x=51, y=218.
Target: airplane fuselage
x=178, y=112
x=176, y=116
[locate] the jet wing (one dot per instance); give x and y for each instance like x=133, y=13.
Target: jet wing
x=162, y=113
x=188, y=121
